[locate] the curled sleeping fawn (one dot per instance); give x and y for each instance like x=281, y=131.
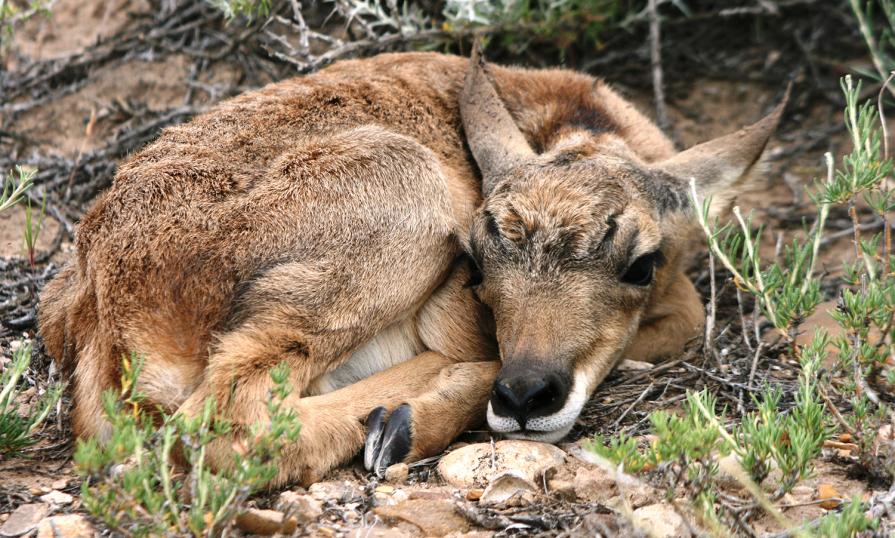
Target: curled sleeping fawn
x=429, y=242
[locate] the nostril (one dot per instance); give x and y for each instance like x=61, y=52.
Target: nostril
x=505, y=394
x=541, y=396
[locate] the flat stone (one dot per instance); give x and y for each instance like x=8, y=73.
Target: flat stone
x=305, y=508
x=343, y=491
x=662, y=521
x=475, y=465
x=265, y=522
x=509, y=489
x=65, y=526
x=58, y=498
x=24, y=519
x=431, y=494
x=433, y=518
x=379, y=532
x=593, y=484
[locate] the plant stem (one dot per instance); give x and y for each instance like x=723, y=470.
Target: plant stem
x=870, y=39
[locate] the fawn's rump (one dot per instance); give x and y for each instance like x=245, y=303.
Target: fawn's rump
x=340, y=240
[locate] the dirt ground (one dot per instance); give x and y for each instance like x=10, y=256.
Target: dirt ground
x=116, y=94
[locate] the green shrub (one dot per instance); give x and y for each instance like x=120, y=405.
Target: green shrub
x=17, y=428
x=132, y=484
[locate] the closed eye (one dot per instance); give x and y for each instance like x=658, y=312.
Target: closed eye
x=641, y=271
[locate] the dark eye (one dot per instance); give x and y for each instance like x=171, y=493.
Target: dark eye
x=475, y=274
x=640, y=272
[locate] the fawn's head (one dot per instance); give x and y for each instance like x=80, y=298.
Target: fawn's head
x=573, y=245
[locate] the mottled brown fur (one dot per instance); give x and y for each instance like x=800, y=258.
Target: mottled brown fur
x=324, y=218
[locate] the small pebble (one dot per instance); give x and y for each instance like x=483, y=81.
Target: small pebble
x=829, y=495
x=397, y=473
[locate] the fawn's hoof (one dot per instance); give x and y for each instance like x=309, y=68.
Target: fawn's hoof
x=388, y=439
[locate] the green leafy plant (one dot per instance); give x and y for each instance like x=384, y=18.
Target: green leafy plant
x=32, y=230
x=786, y=292
x=15, y=186
x=880, y=41
x=17, y=427
x=133, y=485
x=693, y=441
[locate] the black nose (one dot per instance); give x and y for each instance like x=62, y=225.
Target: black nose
x=528, y=395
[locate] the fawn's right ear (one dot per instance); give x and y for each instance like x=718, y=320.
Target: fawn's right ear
x=724, y=167
x=496, y=142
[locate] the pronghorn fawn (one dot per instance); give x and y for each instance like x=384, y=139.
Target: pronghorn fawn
x=428, y=242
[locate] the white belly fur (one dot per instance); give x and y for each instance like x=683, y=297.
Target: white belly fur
x=393, y=345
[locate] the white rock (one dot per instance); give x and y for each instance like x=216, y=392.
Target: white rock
x=336, y=491
x=24, y=520
x=65, y=526
x=662, y=521
x=58, y=498
x=475, y=465
x=508, y=489
x=305, y=508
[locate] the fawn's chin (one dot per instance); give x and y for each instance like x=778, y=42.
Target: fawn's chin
x=549, y=428
x=543, y=437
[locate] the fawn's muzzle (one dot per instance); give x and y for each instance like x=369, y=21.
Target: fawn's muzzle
x=528, y=396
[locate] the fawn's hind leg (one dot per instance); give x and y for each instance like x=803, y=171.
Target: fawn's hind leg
x=276, y=325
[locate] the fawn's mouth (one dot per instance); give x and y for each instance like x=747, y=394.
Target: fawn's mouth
x=548, y=428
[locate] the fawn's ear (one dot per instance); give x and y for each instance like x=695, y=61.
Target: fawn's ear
x=496, y=142
x=725, y=166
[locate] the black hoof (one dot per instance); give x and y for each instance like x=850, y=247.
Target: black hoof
x=375, y=427
x=388, y=441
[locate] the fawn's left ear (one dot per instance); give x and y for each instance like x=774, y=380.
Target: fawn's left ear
x=723, y=167
x=494, y=139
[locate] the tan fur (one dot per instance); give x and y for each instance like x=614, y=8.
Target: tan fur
x=322, y=221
